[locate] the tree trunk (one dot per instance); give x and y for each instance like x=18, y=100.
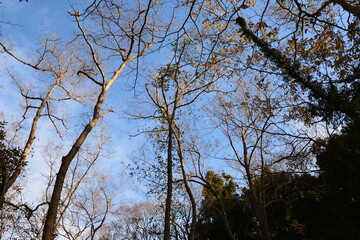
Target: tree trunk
x=354, y=10
x=9, y=181
x=49, y=227
x=167, y=235
x=187, y=187
x=260, y=212
x=226, y=222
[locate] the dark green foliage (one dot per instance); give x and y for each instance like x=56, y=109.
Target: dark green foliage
x=288, y=199
x=239, y=212
x=304, y=207
x=294, y=214
x=339, y=162
x=9, y=157
x=326, y=206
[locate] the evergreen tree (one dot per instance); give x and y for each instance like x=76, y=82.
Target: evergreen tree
x=9, y=159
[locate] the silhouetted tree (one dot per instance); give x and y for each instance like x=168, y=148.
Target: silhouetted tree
x=9, y=160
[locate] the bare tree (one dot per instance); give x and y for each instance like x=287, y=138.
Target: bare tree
x=87, y=194
x=56, y=65
x=173, y=90
x=89, y=208
x=251, y=120
x=112, y=31
x=140, y=221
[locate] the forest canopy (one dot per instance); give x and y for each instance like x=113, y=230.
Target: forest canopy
x=186, y=119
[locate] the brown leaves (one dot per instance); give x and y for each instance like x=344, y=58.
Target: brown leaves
x=188, y=2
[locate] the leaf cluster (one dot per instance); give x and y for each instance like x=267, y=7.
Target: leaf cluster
x=9, y=156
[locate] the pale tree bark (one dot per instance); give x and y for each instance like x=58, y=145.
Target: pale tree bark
x=136, y=221
x=46, y=64
x=87, y=193
x=94, y=202
x=180, y=154
x=137, y=46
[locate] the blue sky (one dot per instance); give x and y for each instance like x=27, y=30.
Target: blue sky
x=29, y=21
x=33, y=17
